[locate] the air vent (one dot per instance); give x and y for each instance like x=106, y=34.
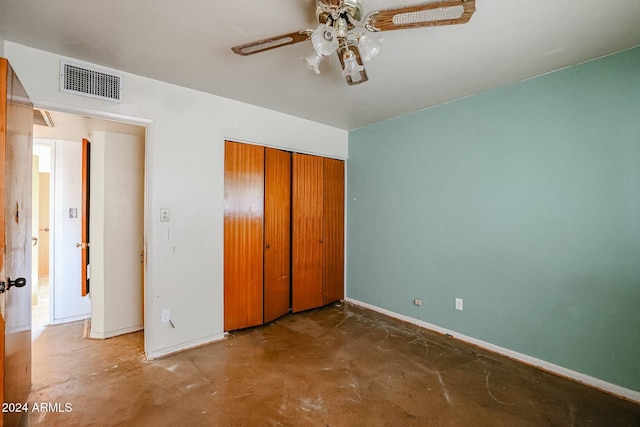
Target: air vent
x=42, y=118
x=93, y=83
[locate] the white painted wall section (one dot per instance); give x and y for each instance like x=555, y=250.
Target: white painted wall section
x=116, y=233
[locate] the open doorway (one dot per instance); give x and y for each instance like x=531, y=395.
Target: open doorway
x=116, y=216
x=40, y=256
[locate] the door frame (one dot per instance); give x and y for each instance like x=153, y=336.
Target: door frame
x=148, y=285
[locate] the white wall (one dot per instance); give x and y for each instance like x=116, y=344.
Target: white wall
x=184, y=154
x=116, y=233
x=35, y=225
x=68, y=303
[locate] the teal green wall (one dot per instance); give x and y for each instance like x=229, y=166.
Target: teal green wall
x=525, y=202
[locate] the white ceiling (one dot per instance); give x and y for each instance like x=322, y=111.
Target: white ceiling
x=188, y=43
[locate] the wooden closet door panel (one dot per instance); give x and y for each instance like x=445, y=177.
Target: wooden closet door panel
x=243, y=235
x=307, y=232
x=333, y=230
x=277, y=234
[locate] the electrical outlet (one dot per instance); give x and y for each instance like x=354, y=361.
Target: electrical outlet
x=164, y=317
x=417, y=302
x=164, y=215
x=459, y=304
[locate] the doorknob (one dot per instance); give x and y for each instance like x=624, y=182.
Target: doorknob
x=44, y=229
x=18, y=283
x=82, y=245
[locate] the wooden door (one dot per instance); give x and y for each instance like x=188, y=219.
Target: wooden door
x=16, y=115
x=277, y=234
x=333, y=230
x=243, y=235
x=84, y=233
x=307, y=201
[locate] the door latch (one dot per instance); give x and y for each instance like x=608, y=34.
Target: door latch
x=18, y=283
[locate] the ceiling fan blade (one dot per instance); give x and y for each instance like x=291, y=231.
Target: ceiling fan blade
x=272, y=43
x=445, y=12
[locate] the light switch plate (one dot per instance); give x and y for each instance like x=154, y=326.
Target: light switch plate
x=459, y=304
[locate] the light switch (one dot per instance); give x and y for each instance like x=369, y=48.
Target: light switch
x=164, y=215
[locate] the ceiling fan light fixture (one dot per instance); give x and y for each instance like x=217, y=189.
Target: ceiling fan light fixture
x=344, y=29
x=351, y=67
x=341, y=27
x=324, y=40
x=313, y=62
x=369, y=46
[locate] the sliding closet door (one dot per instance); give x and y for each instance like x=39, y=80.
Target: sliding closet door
x=333, y=230
x=243, y=235
x=277, y=234
x=307, y=232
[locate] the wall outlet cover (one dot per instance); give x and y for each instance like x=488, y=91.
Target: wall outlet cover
x=459, y=304
x=164, y=215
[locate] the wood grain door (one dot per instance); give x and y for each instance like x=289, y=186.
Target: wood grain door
x=307, y=201
x=84, y=233
x=16, y=115
x=277, y=234
x=333, y=230
x=243, y=235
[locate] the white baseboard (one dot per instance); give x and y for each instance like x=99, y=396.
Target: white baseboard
x=529, y=360
x=115, y=333
x=185, y=346
x=71, y=319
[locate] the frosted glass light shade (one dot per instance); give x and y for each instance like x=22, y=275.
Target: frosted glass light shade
x=324, y=40
x=313, y=62
x=351, y=66
x=369, y=46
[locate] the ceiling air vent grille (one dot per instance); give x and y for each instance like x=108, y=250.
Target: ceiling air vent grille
x=89, y=82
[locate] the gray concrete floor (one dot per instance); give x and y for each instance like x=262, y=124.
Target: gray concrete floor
x=337, y=366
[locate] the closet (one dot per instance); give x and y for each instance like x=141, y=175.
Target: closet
x=283, y=233
x=318, y=231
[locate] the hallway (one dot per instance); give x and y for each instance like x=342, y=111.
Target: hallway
x=337, y=366
x=40, y=311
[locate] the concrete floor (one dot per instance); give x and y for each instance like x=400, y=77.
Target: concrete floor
x=338, y=366
x=40, y=311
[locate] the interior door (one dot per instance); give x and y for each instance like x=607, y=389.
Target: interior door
x=307, y=232
x=243, y=235
x=333, y=230
x=16, y=116
x=277, y=232
x=84, y=234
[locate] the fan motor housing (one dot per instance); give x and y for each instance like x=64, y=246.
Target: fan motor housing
x=352, y=7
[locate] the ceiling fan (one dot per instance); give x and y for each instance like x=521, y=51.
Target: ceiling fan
x=342, y=29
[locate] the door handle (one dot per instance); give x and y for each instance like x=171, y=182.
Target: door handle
x=35, y=240
x=44, y=229
x=82, y=245
x=18, y=283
